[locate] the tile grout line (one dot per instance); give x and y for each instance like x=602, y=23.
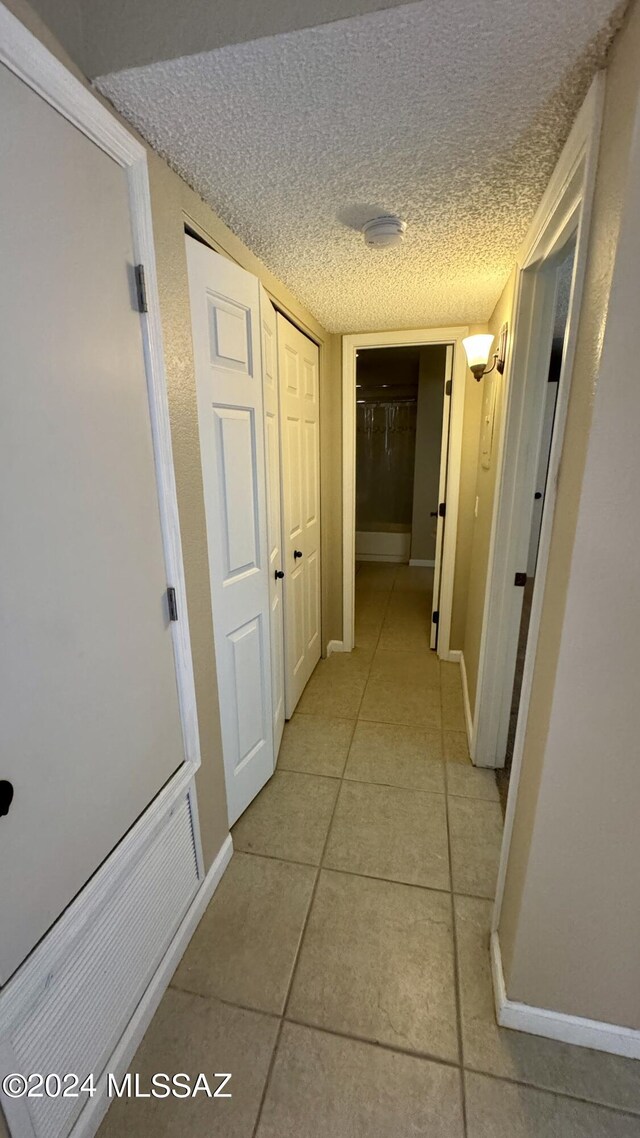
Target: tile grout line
x=625, y=1111
x=365, y=876
x=314, y=889
x=422, y=1056
x=454, y=935
x=283, y=1017
x=296, y=958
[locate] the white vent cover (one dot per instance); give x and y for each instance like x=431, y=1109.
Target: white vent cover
x=73, y=1014
x=382, y=232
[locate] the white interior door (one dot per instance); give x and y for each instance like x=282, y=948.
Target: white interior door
x=90, y=726
x=300, y=435
x=442, y=492
x=225, y=313
x=274, y=510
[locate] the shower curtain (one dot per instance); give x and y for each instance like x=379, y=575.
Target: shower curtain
x=385, y=454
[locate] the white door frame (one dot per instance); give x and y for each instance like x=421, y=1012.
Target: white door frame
x=30, y=61
x=563, y=212
x=415, y=337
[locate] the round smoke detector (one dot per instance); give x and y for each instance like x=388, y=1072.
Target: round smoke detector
x=382, y=232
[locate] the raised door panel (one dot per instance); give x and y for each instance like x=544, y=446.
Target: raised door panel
x=312, y=628
x=274, y=512
x=230, y=331
x=247, y=660
x=237, y=476
x=294, y=468
x=300, y=426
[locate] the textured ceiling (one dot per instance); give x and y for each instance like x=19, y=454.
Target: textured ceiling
x=450, y=114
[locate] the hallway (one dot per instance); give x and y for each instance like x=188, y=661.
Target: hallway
x=355, y=912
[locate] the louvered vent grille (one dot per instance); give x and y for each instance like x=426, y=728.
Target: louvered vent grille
x=76, y=1023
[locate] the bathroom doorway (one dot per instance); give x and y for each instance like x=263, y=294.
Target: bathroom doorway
x=396, y=386
x=399, y=402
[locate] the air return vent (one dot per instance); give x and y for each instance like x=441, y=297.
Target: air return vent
x=67, y=1013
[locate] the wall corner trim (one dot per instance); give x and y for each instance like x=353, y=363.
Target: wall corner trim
x=595, y=1034
x=125, y=1049
x=335, y=646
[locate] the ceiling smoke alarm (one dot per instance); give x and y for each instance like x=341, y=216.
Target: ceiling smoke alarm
x=383, y=232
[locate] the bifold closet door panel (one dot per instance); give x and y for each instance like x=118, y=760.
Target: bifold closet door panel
x=274, y=510
x=300, y=445
x=225, y=313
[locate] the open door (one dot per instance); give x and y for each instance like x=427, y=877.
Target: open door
x=274, y=510
x=225, y=313
x=442, y=494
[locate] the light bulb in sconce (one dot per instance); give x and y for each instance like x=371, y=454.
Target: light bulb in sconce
x=477, y=349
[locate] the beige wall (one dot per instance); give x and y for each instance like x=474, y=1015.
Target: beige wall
x=173, y=203
x=473, y=393
x=570, y=925
x=427, y=461
x=484, y=490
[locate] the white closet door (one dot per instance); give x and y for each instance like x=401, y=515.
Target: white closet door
x=274, y=511
x=300, y=435
x=442, y=490
x=90, y=726
x=225, y=313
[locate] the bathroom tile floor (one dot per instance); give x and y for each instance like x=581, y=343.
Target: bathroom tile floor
x=341, y=971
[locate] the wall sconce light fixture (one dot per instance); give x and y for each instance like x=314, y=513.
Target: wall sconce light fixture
x=477, y=349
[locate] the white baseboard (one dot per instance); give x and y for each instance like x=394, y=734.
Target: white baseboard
x=422, y=564
x=394, y=558
x=335, y=646
x=454, y=656
x=121, y=1057
x=595, y=1034
x=468, y=714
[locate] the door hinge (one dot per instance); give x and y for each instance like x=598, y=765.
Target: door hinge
x=141, y=289
x=447, y=387
x=442, y=509
x=520, y=579
x=172, y=603
x=435, y=617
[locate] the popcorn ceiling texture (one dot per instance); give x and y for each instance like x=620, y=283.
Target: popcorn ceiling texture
x=451, y=115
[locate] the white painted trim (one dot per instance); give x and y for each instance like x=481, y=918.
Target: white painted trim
x=455, y=656
x=421, y=337
x=581, y=1032
x=392, y=558
x=581, y=149
x=32, y=975
x=564, y=209
x=468, y=714
x=27, y=58
x=334, y=646
x=118, y=1064
x=419, y=562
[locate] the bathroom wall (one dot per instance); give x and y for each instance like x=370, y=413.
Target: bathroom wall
x=427, y=457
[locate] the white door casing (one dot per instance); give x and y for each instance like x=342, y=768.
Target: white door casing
x=351, y=344
x=225, y=313
x=563, y=215
x=300, y=443
x=97, y=689
x=274, y=510
x=442, y=488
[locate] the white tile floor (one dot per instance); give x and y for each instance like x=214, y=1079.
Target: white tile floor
x=341, y=972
